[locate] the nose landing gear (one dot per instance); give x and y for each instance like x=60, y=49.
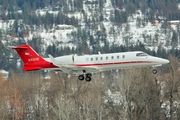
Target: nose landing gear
x=154, y=71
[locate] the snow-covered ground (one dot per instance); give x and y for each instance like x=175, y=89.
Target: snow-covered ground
x=5, y=74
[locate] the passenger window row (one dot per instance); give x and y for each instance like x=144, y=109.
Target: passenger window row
x=106, y=58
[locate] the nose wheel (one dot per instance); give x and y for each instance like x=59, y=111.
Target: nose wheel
x=154, y=71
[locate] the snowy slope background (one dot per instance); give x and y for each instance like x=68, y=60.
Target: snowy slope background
x=62, y=33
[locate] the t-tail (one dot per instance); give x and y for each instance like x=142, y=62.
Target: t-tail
x=32, y=60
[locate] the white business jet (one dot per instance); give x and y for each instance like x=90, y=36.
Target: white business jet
x=85, y=65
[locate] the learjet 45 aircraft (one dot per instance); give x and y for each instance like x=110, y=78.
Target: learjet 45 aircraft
x=85, y=65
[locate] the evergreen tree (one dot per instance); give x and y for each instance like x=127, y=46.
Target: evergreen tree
x=36, y=44
x=130, y=8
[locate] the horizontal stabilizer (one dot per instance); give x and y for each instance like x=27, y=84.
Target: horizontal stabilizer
x=53, y=60
x=19, y=47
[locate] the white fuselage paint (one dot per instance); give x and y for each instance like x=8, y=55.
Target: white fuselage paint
x=104, y=62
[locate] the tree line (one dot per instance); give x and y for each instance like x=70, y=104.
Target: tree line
x=132, y=94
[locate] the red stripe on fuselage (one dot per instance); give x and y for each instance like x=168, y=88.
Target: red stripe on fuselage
x=112, y=63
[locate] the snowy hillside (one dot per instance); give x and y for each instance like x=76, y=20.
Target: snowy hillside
x=128, y=33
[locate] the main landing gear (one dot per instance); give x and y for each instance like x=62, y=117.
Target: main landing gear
x=86, y=76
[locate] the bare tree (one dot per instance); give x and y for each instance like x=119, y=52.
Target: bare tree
x=171, y=90
x=132, y=94
x=140, y=98
x=3, y=106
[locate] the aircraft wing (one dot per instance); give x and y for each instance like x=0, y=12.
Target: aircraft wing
x=71, y=68
x=74, y=68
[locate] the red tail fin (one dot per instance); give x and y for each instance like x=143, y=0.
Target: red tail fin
x=32, y=61
x=27, y=54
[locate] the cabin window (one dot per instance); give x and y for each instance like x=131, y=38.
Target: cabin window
x=112, y=57
x=123, y=56
x=101, y=58
x=96, y=58
x=118, y=57
x=87, y=59
x=91, y=59
x=107, y=58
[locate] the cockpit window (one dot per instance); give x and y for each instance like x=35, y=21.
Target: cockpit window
x=141, y=54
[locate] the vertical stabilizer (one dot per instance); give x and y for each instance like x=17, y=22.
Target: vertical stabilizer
x=32, y=60
x=27, y=54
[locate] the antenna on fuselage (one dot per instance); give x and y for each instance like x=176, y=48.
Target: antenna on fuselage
x=99, y=52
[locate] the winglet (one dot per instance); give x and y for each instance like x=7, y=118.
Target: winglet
x=53, y=60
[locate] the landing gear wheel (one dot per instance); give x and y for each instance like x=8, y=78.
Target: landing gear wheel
x=88, y=78
x=154, y=71
x=88, y=75
x=81, y=77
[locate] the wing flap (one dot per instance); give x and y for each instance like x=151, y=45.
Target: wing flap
x=73, y=69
